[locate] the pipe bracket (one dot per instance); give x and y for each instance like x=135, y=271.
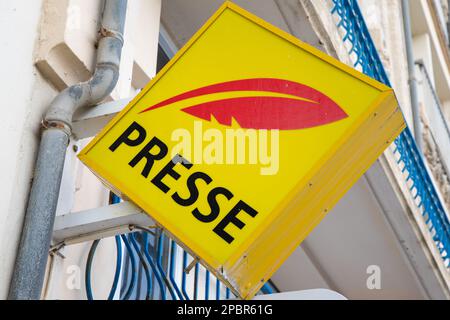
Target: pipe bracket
x=52, y=124
x=105, y=32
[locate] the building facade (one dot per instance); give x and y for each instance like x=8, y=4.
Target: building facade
x=388, y=238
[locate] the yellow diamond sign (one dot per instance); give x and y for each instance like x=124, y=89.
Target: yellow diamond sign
x=243, y=143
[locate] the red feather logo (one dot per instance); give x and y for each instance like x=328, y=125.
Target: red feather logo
x=263, y=112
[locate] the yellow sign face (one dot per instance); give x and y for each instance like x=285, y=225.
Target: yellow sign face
x=243, y=143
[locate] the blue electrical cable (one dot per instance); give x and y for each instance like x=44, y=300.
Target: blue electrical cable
x=146, y=270
x=183, y=276
x=87, y=275
x=160, y=267
x=155, y=271
x=227, y=293
x=114, y=199
x=207, y=285
x=217, y=289
x=130, y=288
x=196, y=281
x=173, y=254
x=88, y=282
x=112, y=292
x=267, y=288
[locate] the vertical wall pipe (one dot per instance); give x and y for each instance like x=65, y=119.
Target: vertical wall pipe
x=29, y=271
x=412, y=80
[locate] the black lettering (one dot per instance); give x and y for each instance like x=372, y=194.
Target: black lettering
x=145, y=153
x=168, y=170
x=125, y=137
x=212, y=201
x=232, y=218
x=192, y=187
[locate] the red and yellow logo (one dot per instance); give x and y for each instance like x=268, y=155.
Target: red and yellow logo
x=304, y=108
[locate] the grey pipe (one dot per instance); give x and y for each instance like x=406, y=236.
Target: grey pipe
x=29, y=271
x=448, y=22
x=412, y=80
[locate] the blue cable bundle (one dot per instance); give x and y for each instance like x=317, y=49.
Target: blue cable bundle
x=88, y=283
x=153, y=266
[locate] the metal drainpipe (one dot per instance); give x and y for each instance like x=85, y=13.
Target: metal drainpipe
x=448, y=22
x=412, y=80
x=29, y=272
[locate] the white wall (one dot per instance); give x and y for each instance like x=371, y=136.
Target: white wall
x=23, y=99
x=51, y=47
